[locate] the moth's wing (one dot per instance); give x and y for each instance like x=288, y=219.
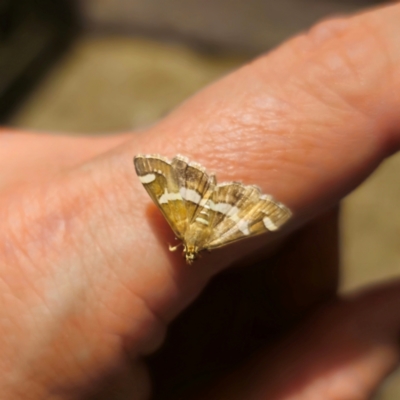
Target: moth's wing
x=225, y=199
x=242, y=212
x=157, y=176
x=195, y=185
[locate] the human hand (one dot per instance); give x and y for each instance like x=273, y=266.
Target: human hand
x=88, y=284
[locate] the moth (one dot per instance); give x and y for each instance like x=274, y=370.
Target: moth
x=205, y=215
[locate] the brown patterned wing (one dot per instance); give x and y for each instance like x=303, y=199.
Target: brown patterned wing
x=241, y=212
x=195, y=185
x=157, y=176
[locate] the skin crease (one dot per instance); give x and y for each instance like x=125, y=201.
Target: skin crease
x=88, y=285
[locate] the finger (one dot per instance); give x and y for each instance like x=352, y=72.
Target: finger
x=307, y=122
x=344, y=351
x=31, y=157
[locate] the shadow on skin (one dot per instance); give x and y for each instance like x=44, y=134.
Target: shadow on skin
x=242, y=311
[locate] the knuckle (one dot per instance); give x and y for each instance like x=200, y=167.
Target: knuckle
x=348, y=63
x=327, y=29
x=354, y=53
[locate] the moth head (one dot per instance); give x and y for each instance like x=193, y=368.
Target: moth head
x=190, y=253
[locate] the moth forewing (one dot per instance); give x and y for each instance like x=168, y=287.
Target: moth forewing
x=156, y=175
x=193, y=183
x=233, y=202
x=253, y=215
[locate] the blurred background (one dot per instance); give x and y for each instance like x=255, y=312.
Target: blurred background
x=103, y=66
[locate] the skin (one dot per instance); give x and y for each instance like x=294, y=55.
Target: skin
x=88, y=285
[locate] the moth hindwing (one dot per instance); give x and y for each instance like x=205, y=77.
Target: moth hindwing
x=202, y=213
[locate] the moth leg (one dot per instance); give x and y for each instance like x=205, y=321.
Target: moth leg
x=174, y=248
